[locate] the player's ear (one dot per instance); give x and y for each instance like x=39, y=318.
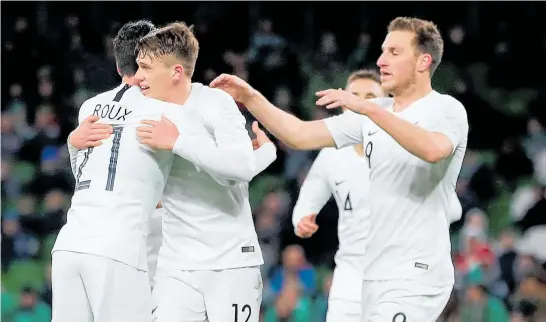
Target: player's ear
x=119, y=71
x=178, y=72
x=424, y=62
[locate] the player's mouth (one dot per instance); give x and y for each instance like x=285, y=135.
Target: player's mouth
x=144, y=89
x=385, y=75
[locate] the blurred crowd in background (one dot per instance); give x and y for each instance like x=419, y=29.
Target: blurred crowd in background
x=56, y=55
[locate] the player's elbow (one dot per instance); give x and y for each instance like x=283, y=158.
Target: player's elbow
x=247, y=168
x=436, y=153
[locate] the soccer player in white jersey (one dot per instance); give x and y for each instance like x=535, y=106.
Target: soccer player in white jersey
x=343, y=173
x=414, y=143
x=99, y=258
x=208, y=265
x=262, y=147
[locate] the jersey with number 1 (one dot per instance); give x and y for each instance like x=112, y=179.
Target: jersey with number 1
x=119, y=183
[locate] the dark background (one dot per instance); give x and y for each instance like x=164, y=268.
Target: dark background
x=55, y=55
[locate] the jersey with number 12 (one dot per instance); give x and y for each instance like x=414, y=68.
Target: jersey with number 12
x=119, y=183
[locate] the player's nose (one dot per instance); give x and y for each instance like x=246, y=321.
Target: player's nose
x=382, y=61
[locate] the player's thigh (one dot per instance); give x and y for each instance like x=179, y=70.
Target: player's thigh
x=70, y=301
x=117, y=292
x=408, y=301
x=343, y=310
x=232, y=294
x=177, y=297
x=344, y=300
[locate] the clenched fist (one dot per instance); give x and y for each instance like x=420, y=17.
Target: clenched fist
x=307, y=226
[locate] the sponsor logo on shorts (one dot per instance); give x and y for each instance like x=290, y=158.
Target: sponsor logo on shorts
x=247, y=249
x=421, y=265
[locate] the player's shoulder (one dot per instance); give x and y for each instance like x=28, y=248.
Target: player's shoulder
x=327, y=154
x=385, y=102
x=448, y=104
x=213, y=97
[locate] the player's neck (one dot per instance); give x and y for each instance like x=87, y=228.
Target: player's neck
x=359, y=149
x=410, y=94
x=180, y=93
x=129, y=80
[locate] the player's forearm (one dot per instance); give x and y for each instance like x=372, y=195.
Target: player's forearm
x=295, y=133
x=237, y=163
x=264, y=156
x=73, y=153
x=312, y=198
x=423, y=144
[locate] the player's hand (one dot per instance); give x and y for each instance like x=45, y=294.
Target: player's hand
x=261, y=137
x=307, y=226
x=240, y=90
x=89, y=133
x=160, y=135
x=334, y=98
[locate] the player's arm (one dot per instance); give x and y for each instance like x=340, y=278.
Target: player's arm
x=231, y=155
x=265, y=153
x=314, y=194
x=432, y=141
x=297, y=134
x=88, y=134
x=431, y=145
x=264, y=150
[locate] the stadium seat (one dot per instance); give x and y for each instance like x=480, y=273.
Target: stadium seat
x=24, y=273
x=24, y=171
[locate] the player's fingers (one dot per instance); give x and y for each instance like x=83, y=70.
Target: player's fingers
x=219, y=80
x=166, y=120
x=325, y=100
x=146, y=141
x=255, y=127
x=91, y=119
x=101, y=126
x=92, y=144
x=313, y=218
x=333, y=105
x=308, y=226
x=146, y=129
x=150, y=122
x=324, y=92
x=100, y=131
x=144, y=135
x=98, y=137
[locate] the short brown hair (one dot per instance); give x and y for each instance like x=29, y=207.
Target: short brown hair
x=175, y=39
x=427, y=37
x=371, y=74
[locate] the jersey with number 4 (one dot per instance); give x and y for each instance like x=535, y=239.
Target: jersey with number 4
x=119, y=183
x=412, y=202
x=345, y=175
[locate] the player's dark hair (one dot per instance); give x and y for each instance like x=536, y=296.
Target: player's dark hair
x=125, y=43
x=428, y=39
x=370, y=74
x=175, y=39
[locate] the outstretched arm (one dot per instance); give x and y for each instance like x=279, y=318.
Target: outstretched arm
x=297, y=134
x=434, y=139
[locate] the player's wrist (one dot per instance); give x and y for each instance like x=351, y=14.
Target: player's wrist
x=249, y=96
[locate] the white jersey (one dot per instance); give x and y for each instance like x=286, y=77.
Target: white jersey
x=119, y=183
x=208, y=222
x=412, y=202
x=344, y=174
